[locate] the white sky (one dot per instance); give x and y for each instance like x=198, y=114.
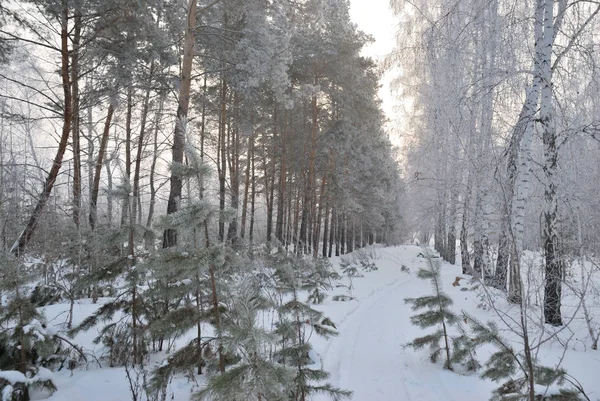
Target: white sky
x=375, y=18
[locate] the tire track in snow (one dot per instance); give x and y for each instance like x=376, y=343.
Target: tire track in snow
x=369, y=355
x=346, y=326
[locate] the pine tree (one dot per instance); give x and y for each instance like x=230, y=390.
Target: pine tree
x=464, y=351
x=349, y=267
x=256, y=375
x=518, y=370
x=27, y=345
x=318, y=279
x=187, y=276
x=125, y=270
x=437, y=315
x=297, y=321
x=162, y=291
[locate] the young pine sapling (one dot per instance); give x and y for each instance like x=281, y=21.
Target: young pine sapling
x=437, y=314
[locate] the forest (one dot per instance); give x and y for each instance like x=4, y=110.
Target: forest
x=504, y=155
x=187, y=185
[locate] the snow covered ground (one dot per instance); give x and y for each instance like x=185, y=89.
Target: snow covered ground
x=369, y=356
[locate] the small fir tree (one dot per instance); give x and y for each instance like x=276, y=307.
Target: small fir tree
x=518, y=370
x=464, y=350
x=126, y=338
x=365, y=258
x=318, y=279
x=27, y=345
x=189, y=289
x=437, y=315
x=297, y=322
x=256, y=375
x=162, y=290
x=349, y=266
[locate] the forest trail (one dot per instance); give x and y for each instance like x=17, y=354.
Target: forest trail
x=370, y=356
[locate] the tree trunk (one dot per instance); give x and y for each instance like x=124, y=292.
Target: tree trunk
x=289, y=216
x=109, y=191
x=349, y=235
x=135, y=281
x=464, y=233
x=295, y=227
x=221, y=159
x=317, y=229
x=126, y=208
x=269, y=187
x=234, y=167
x=501, y=272
x=215, y=303
x=332, y=231
x=450, y=255
x=489, y=68
x=440, y=224
x=325, y=229
x=140, y=146
x=518, y=168
x=203, y=134
x=270, y=203
x=552, y=289
x=247, y=181
x=310, y=177
x=154, y=160
x=252, y=198
x=170, y=235
x=98, y=170
x=342, y=223
x=281, y=187
x=75, y=122
x=24, y=238
x=90, y=145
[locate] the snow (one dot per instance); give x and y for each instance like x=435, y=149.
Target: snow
x=13, y=376
x=179, y=283
x=36, y=328
x=369, y=356
x=7, y=393
x=43, y=374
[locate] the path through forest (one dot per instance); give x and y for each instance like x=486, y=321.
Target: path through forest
x=369, y=356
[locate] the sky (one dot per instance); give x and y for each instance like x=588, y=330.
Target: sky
x=375, y=18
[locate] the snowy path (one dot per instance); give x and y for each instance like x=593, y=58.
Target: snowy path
x=369, y=357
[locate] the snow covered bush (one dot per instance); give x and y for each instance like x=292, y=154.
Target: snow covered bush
x=318, y=278
x=27, y=345
x=349, y=266
x=365, y=257
x=14, y=385
x=361, y=259
x=262, y=331
x=521, y=375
